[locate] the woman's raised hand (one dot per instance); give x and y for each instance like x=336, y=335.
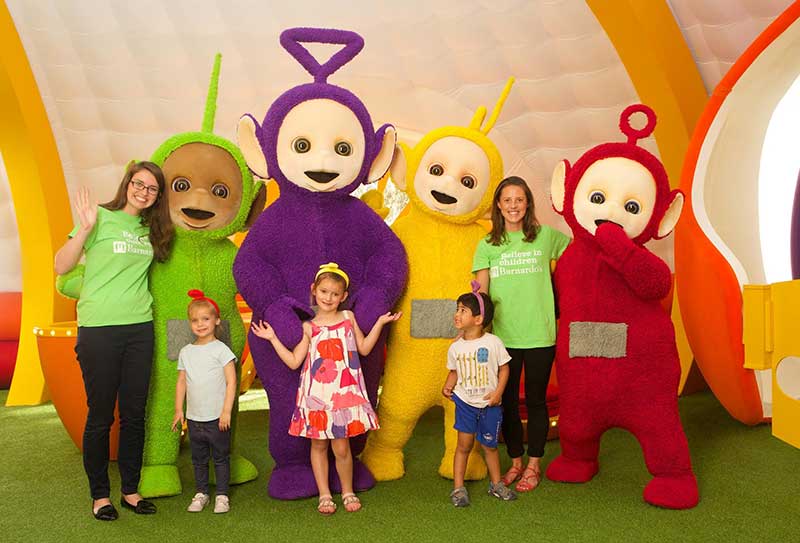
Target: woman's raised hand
x=86, y=208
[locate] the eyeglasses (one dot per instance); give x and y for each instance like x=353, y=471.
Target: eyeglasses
x=151, y=189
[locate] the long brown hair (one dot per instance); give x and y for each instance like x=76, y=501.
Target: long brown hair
x=156, y=216
x=530, y=224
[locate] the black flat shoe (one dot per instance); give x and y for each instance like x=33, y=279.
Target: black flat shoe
x=144, y=507
x=107, y=512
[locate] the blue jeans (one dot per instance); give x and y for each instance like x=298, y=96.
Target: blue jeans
x=205, y=438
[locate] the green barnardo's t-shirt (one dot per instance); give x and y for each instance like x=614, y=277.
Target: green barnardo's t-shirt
x=118, y=255
x=521, y=288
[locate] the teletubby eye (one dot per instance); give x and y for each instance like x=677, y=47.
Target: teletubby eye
x=436, y=170
x=597, y=197
x=343, y=148
x=181, y=184
x=301, y=145
x=220, y=190
x=633, y=207
x=468, y=181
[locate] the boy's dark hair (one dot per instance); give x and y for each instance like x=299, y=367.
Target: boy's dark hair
x=470, y=301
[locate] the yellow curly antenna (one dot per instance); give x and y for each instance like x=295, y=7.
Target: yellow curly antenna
x=480, y=114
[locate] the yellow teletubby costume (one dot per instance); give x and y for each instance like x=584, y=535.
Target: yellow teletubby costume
x=450, y=177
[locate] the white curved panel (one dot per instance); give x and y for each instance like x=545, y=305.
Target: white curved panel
x=718, y=31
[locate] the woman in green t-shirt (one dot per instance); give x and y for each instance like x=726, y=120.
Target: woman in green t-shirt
x=115, y=323
x=512, y=264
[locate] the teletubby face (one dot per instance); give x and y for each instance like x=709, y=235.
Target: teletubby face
x=617, y=190
x=321, y=146
x=452, y=176
x=205, y=186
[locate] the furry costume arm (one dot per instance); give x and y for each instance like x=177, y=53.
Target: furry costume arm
x=647, y=275
x=261, y=285
x=385, y=277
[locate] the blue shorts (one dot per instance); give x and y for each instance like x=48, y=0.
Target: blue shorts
x=482, y=422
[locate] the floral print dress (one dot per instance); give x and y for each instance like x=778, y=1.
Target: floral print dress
x=332, y=399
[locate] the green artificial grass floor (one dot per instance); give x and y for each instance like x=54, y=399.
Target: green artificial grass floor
x=749, y=486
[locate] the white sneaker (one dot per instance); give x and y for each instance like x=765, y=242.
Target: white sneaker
x=199, y=501
x=222, y=504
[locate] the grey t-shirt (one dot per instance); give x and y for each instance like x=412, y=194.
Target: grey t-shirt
x=205, y=378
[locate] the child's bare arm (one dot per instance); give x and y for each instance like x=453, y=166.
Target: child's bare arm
x=180, y=395
x=366, y=344
x=230, y=395
x=449, y=384
x=495, y=397
x=293, y=359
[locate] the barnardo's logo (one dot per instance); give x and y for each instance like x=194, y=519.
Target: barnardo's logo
x=120, y=247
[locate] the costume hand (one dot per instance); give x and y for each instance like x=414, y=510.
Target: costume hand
x=178, y=420
x=368, y=304
x=86, y=208
x=494, y=398
x=285, y=316
x=224, y=421
x=263, y=330
x=614, y=242
x=389, y=317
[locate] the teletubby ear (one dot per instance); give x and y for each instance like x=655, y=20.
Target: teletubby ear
x=384, y=158
x=558, y=186
x=247, y=139
x=257, y=206
x=399, y=167
x=672, y=215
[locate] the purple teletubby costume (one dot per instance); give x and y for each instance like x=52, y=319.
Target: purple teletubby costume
x=315, y=221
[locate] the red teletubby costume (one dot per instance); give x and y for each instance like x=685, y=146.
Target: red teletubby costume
x=616, y=357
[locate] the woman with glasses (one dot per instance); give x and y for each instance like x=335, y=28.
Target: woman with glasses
x=115, y=323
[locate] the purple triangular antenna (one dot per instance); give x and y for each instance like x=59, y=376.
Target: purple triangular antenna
x=293, y=37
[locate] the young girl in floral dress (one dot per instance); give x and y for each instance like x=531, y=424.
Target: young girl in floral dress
x=332, y=403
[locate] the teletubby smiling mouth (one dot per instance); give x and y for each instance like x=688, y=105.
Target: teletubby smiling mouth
x=598, y=222
x=197, y=214
x=443, y=198
x=321, y=176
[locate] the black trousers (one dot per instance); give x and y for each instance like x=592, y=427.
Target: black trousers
x=116, y=363
x=205, y=437
x=537, y=362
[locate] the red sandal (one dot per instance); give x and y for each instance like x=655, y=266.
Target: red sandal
x=530, y=480
x=512, y=475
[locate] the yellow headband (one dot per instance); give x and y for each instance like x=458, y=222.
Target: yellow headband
x=333, y=267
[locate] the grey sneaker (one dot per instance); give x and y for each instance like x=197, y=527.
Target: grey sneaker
x=502, y=492
x=199, y=501
x=459, y=497
x=222, y=504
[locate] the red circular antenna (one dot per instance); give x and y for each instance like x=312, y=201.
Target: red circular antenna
x=635, y=134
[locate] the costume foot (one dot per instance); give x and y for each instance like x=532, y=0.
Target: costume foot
x=384, y=464
x=476, y=467
x=159, y=480
x=292, y=482
x=672, y=492
x=242, y=470
x=567, y=470
x=362, y=478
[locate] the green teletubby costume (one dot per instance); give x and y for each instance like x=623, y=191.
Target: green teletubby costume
x=201, y=258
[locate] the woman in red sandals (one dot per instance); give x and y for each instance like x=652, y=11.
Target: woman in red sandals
x=512, y=264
